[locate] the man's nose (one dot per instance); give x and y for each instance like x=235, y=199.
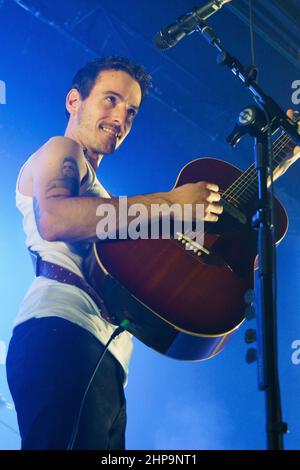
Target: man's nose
x=119, y=116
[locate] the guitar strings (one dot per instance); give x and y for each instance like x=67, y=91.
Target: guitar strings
x=280, y=144
x=281, y=141
x=243, y=183
x=244, y=178
x=244, y=190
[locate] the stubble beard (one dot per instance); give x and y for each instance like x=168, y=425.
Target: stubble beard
x=93, y=139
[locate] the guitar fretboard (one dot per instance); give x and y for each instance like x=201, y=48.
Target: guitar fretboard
x=243, y=190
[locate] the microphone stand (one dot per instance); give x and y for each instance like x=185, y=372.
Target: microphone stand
x=261, y=122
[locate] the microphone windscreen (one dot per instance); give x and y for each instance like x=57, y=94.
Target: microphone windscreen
x=160, y=41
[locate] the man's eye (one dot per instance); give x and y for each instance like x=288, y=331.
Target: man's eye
x=111, y=99
x=132, y=113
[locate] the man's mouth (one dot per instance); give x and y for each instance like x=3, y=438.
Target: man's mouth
x=111, y=131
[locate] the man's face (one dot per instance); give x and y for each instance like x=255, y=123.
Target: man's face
x=104, y=119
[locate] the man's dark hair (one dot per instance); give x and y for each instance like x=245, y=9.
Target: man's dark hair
x=84, y=80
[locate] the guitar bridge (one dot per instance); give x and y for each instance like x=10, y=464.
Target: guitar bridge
x=191, y=244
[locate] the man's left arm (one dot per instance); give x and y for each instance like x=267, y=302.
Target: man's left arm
x=285, y=164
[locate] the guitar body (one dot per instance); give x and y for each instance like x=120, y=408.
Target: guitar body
x=180, y=303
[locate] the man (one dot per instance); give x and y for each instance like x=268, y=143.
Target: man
x=59, y=334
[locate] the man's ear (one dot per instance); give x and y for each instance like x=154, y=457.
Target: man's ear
x=73, y=100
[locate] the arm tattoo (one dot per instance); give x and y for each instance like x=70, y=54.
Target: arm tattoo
x=69, y=181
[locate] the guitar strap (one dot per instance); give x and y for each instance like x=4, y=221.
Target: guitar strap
x=59, y=273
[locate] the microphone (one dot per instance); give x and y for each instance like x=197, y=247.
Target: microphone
x=185, y=25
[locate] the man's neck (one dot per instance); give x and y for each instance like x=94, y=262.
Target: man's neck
x=94, y=159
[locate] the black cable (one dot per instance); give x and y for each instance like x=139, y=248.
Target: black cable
x=122, y=327
x=251, y=24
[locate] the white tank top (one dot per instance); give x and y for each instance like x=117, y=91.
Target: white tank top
x=47, y=298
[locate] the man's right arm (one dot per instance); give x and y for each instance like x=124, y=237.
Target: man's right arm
x=62, y=215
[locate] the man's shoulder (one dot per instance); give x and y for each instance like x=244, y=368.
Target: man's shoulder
x=50, y=156
x=59, y=143
x=56, y=146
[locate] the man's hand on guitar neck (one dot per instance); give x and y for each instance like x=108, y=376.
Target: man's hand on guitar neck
x=291, y=114
x=285, y=164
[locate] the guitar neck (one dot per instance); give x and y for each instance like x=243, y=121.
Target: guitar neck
x=242, y=191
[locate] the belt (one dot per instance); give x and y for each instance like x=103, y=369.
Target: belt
x=58, y=273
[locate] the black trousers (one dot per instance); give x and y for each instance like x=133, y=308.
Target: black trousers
x=49, y=364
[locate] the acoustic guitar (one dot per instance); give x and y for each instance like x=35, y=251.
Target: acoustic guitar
x=186, y=304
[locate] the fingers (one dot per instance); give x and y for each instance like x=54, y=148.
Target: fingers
x=293, y=115
x=212, y=212
x=212, y=191
x=296, y=150
x=211, y=217
x=215, y=208
x=212, y=187
x=210, y=197
x=213, y=196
